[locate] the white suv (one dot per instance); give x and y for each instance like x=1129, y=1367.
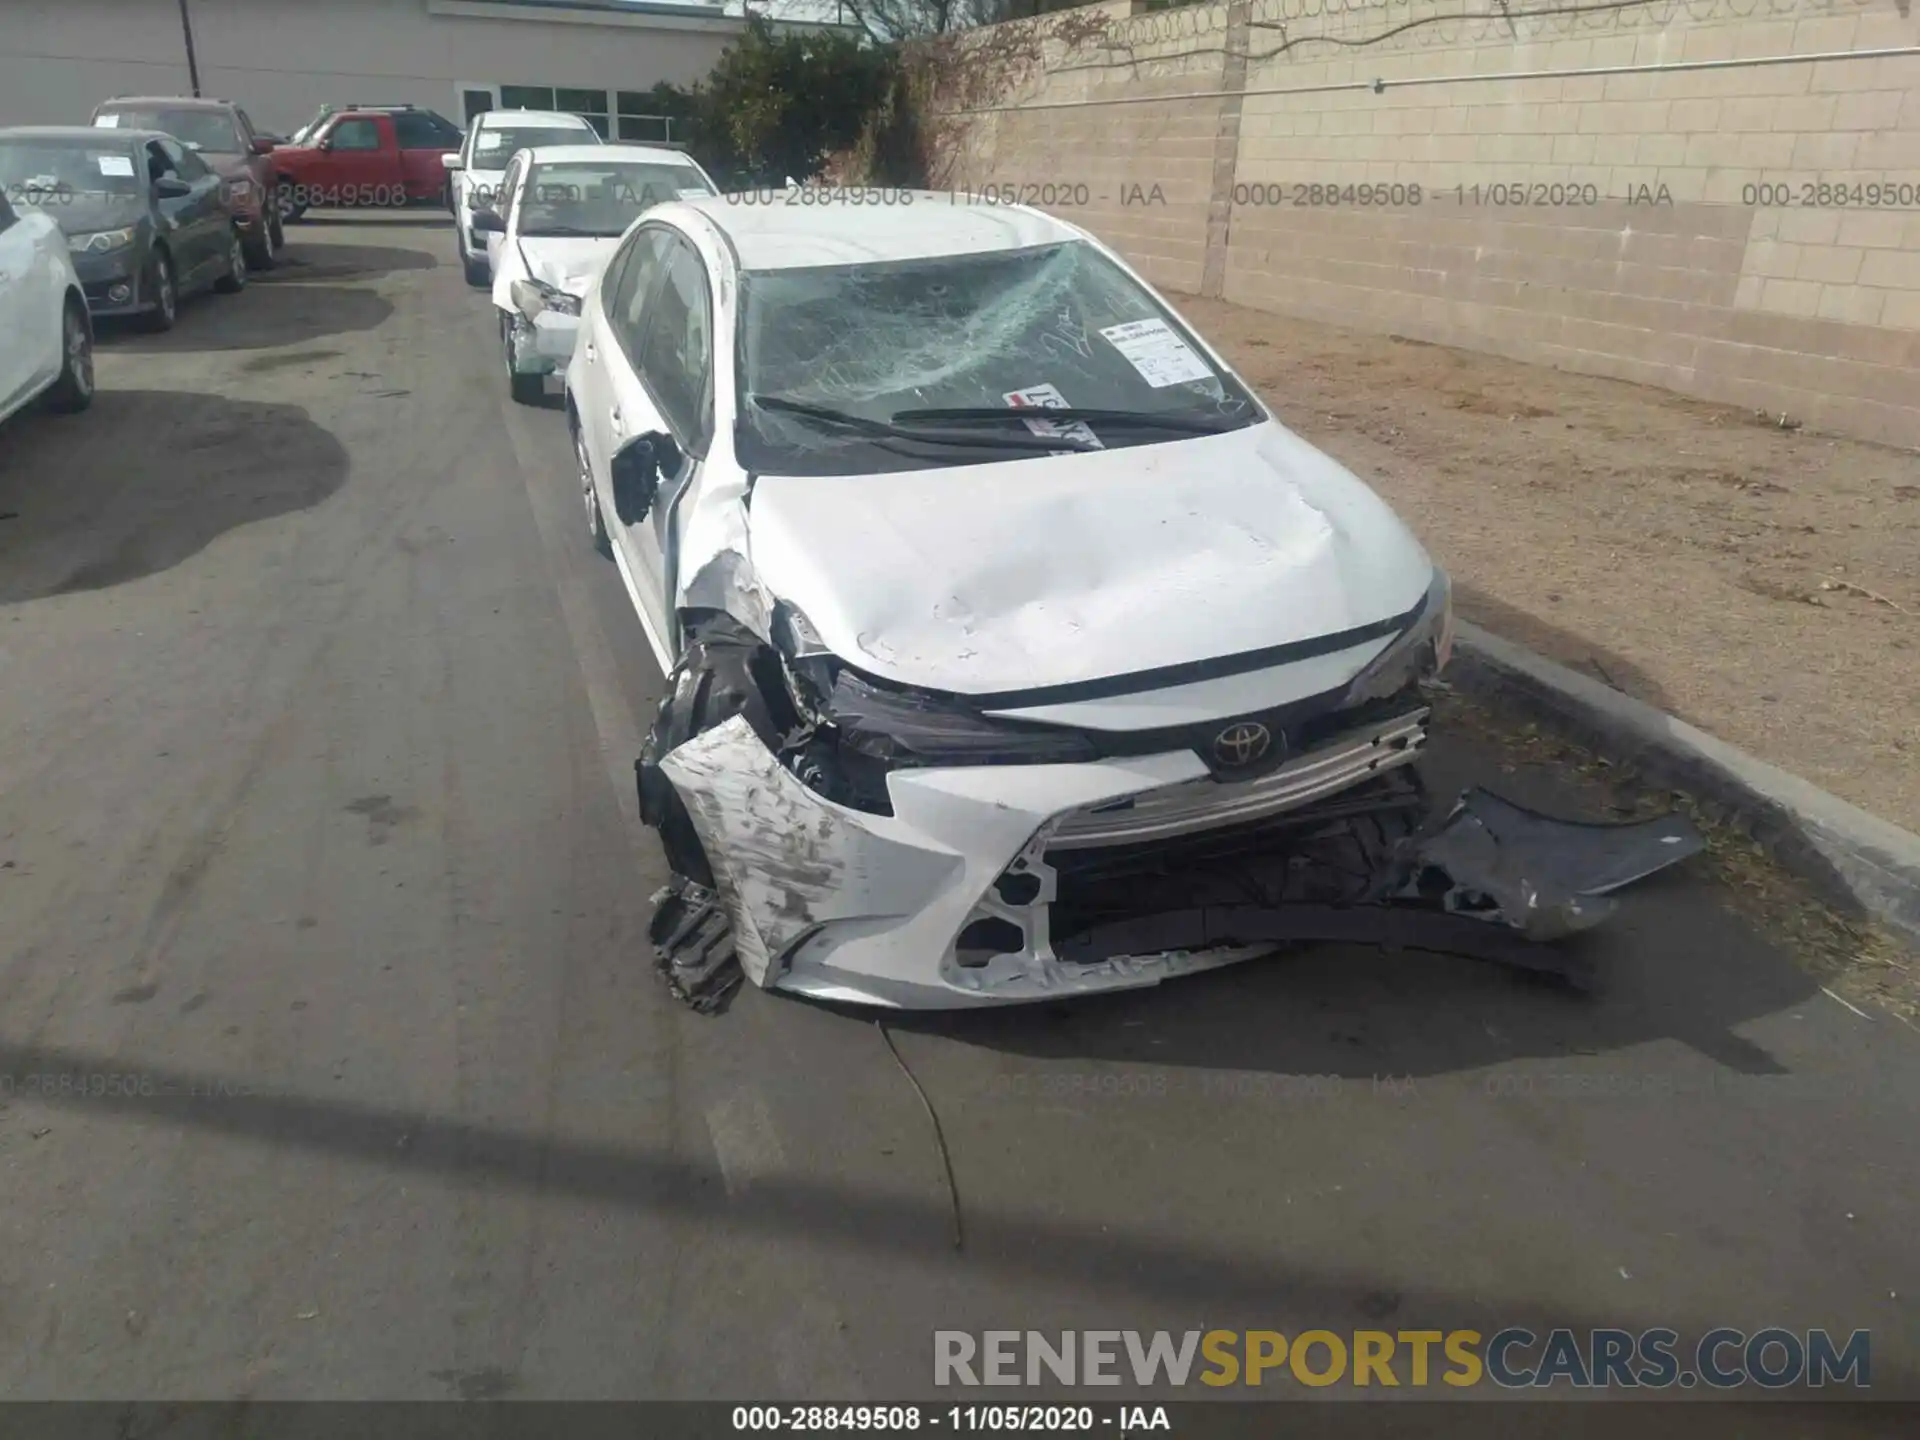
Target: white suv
x=493, y=139
x=48, y=347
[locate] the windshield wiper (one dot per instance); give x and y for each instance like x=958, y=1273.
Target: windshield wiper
x=882, y=429
x=1147, y=419
x=556, y=232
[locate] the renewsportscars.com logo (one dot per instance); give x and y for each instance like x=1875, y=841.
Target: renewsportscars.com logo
x=1513, y=1358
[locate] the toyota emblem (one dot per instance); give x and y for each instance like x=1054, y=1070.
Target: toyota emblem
x=1242, y=743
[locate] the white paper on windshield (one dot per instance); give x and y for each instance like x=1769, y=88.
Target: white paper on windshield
x=1047, y=397
x=490, y=140
x=115, y=165
x=694, y=194
x=1161, y=357
x=108, y=122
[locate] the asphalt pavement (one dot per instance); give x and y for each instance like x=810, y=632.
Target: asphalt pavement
x=322, y=885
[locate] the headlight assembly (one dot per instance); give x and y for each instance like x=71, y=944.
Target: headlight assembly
x=1419, y=653
x=899, y=727
x=102, y=241
x=531, y=297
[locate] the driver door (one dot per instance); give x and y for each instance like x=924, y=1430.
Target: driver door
x=666, y=388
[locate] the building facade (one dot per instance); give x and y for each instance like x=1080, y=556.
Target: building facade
x=283, y=59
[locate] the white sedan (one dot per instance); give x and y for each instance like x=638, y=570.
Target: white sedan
x=1014, y=650
x=48, y=334
x=474, y=174
x=562, y=213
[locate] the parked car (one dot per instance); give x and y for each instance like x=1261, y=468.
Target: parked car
x=476, y=171
x=43, y=314
x=1015, y=651
x=307, y=131
x=220, y=133
x=147, y=220
x=560, y=212
x=366, y=159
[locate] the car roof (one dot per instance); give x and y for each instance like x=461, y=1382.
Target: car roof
x=172, y=102
x=547, y=154
x=79, y=132
x=777, y=236
x=555, y=118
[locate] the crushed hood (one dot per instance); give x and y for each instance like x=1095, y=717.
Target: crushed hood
x=568, y=263
x=1029, y=574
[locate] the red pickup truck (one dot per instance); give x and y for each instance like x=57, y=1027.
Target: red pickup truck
x=367, y=160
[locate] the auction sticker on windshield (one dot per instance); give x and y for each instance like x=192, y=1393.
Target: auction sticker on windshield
x=108, y=122
x=1161, y=357
x=1047, y=397
x=115, y=165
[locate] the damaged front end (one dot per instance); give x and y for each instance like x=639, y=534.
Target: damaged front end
x=848, y=840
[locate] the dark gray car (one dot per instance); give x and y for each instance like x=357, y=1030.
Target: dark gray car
x=147, y=220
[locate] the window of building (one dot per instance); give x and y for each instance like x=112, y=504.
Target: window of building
x=638, y=119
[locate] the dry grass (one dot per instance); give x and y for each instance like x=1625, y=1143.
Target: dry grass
x=1762, y=583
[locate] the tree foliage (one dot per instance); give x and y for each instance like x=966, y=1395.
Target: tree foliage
x=778, y=103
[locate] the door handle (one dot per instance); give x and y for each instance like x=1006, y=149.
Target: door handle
x=618, y=425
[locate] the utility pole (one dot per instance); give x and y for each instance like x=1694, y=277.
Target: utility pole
x=193, y=65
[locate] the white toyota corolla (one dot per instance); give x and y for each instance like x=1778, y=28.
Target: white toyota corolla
x=560, y=213
x=1014, y=649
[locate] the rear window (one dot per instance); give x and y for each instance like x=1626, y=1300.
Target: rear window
x=494, y=146
x=210, y=131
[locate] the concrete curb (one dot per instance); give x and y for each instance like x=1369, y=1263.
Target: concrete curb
x=1858, y=861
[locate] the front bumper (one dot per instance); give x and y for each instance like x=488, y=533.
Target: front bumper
x=544, y=344
x=111, y=282
x=949, y=902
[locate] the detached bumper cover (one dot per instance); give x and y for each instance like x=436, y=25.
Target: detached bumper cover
x=544, y=344
x=996, y=885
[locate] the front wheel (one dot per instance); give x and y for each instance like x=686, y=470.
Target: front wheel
x=286, y=201
x=596, y=521
x=526, y=389
x=163, y=295
x=73, y=391
x=235, y=280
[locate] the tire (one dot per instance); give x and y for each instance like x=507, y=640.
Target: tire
x=259, y=248
x=276, y=232
x=479, y=276
x=160, y=283
x=290, y=212
x=235, y=280
x=596, y=522
x=73, y=391
x=526, y=389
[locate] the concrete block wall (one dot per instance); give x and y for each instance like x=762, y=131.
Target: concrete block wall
x=1735, y=278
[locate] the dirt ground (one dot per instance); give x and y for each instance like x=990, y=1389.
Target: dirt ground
x=1761, y=583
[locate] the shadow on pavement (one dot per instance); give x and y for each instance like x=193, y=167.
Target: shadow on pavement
x=146, y=479
x=262, y=317
x=869, y=1227
x=299, y=263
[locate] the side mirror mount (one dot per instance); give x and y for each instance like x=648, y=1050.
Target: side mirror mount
x=488, y=222
x=451, y=161
x=324, y=143
x=167, y=187
x=263, y=144
x=637, y=468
